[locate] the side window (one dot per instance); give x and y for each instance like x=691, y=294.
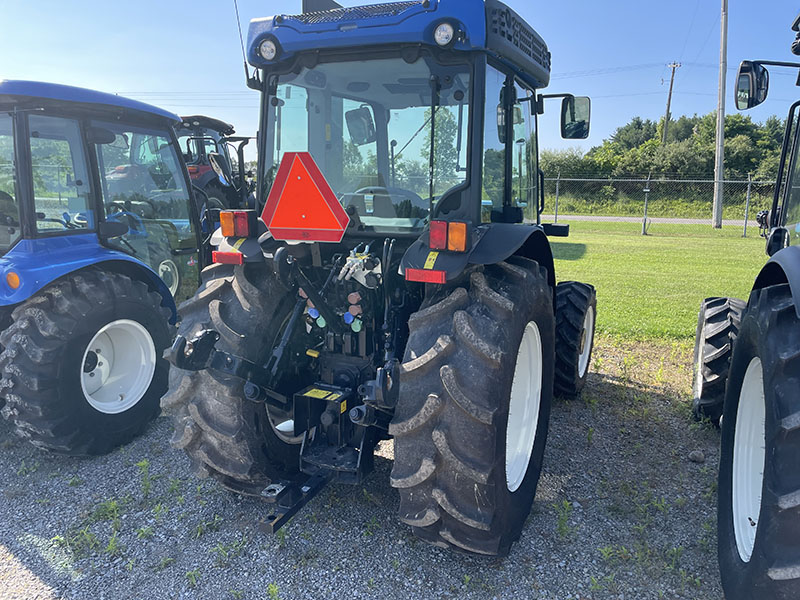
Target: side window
x=143, y=187
x=9, y=203
x=524, y=167
x=494, y=146
x=60, y=176
x=791, y=204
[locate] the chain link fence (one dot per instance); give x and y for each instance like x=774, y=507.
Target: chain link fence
x=656, y=206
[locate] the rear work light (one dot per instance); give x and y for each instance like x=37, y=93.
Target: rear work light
x=238, y=223
x=452, y=236
x=227, y=258
x=426, y=276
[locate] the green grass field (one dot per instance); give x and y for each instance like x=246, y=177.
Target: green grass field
x=650, y=287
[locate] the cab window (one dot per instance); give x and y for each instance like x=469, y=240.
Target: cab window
x=143, y=186
x=494, y=144
x=60, y=175
x=9, y=204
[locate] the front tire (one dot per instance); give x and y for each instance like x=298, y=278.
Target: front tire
x=576, y=311
x=475, y=392
x=717, y=328
x=81, y=367
x=759, y=482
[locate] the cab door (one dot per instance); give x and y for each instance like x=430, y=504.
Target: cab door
x=144, y=185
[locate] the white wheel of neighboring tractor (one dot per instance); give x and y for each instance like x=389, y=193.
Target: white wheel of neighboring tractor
x=475, y=392
x=82, y=370
x=576, y=310
x=118, y=366
x=170, y=274
x=759, y=482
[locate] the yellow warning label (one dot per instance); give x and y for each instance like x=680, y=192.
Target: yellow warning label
x=333, y=397
x=312, y=353
x=316, y=393
x=238, y=243
x=431, y=262
x=344, y=407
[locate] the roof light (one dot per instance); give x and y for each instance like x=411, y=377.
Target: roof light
x=444, y=34
x=268, y=50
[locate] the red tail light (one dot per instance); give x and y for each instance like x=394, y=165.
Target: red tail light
x=438, y=235
x=238, y=223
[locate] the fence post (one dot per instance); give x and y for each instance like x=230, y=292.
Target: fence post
x=558, y=185
x=747, y=203
x=646, y=195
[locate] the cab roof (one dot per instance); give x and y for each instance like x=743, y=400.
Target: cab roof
x=67, y=93
x=208, y=123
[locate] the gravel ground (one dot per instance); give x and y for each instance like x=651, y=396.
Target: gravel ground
x=621, y=512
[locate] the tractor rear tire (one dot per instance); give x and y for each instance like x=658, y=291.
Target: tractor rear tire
x=759, y=482
x=226, y=436
x=467, y=468
x=717, y=328
x=576, y=309
x=64, y=394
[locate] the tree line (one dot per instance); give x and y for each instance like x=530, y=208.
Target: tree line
x=636, y=150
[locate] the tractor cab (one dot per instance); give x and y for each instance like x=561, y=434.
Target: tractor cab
x=214, y=157
x=88, y=174
x=411, y=114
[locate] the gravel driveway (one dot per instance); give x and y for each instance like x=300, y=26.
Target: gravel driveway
x=621, y=512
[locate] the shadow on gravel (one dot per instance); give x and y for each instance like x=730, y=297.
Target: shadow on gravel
x=620, y=511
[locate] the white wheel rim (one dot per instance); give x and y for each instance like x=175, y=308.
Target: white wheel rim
x=523, y=410
x=168, y=272
x=698, y=364
x=587, y=337
x=118, y=366
x=749, y=452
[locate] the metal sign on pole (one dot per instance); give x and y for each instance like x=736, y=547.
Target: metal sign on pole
x=719, y=164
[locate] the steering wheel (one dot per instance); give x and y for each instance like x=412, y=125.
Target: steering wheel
x=122, y=206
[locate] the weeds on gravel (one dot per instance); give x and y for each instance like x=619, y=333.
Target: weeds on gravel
x=159, y=511
x=80, y=542
x=75, y=481
x=26, y=469
x=273, y=593
x=192, y=577
x=108, y=510
x=163, y=563
x=226, y=552
x=236, y=594
x=144, y=533
x=563, y=513
x=144, y=473
x=204, y=526
x=371, y=526
x=114, y=548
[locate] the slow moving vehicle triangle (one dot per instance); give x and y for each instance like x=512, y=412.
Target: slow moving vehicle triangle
x=301, y=205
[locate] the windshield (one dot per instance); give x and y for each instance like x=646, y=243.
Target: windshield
x=9, y=205
x=369, y=125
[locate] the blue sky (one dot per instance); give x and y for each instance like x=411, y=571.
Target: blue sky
x=185, y=56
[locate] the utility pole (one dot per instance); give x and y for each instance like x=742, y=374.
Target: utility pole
x=719, y=165
x=667, y=115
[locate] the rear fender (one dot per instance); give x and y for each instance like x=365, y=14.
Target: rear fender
x=40, y=262
x=493, y=243
x=783, y=267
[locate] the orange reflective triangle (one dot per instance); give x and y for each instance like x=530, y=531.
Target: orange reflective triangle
x=301, y=205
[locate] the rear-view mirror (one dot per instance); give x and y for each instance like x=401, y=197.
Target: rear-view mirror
x=752, y=85
x=217, y=162
x=361, y=125
x=100, y=135
x=575, y=116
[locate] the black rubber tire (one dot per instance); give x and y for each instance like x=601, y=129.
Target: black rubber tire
x=770, y=331
x=450, y=423
x=573, y=302
x=225, y=435
x=717, y=328
x=42, y=361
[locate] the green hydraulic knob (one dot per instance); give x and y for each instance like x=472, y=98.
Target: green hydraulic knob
x=357, y=326
x=322, y=323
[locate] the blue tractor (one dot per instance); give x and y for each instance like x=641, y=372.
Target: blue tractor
x=747, y=377
x=396, y=280
x=98, y=238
